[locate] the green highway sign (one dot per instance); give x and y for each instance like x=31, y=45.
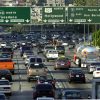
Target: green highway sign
x=83, y=15
x=53, y=15
x=14, y=15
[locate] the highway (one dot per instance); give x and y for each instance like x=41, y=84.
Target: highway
x=23, y=90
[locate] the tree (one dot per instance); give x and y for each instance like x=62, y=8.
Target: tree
x=18, y=28
x=96, y=38
x=80, y=2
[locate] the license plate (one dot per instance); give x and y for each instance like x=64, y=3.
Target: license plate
x=77, y=75
x=62, y=64
x=36, y=64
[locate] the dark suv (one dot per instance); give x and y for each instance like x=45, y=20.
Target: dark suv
x=43, y=89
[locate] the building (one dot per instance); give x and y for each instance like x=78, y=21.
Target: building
x=8, y=2
x=55, y=2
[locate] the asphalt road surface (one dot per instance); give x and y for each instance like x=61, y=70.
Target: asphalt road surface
x=22, y=89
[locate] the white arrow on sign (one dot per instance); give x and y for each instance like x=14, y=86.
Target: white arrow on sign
x=70, y=20
x=27, y=20
x=6, y=20
x=89, y=20
x=45, y=20
x=62, y=20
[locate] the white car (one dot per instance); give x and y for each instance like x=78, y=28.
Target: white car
x=5, y=86
x=96, y=73
x=52, y=54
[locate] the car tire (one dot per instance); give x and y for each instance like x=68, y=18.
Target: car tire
x=12, y=72
x=28, y=79
x=47, y=60
x=55, y=68
x=10, y=94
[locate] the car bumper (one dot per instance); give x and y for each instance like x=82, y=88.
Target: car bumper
x=77, y=79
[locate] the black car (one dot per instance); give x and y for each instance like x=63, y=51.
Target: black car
x=4, y=73
x=76, y=75
x=43, y=89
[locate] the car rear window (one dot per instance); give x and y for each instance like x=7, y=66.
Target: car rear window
x=4, y=83
x=39, y=60
x=5, y=60
x=32, y=60
x=98, y=69
x=44, y=87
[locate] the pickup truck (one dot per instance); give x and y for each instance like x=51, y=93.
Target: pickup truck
x=6, y=63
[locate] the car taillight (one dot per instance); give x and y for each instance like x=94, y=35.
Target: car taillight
x=98, y=72
x=71, y=75
x=54, y=81
x=68, y=62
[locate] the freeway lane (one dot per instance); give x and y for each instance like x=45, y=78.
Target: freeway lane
x=23, y=89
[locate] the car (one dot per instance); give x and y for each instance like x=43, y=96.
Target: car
x=51, y=55
x=91, y=66
x=71, y=94
x=76, y=75
x=43, y=89
x=96, y=73
x=62, y=63
x=36, y=70
x=60, y=49
x=45, y=98
x=3, y=96
x=5, y=87
x=4, y=73
x=23, y=49
x=48, y=78
x=26, y=53
x=7, y=63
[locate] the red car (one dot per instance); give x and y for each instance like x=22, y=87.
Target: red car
x=62, y=63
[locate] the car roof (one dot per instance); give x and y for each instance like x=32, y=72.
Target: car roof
x=45, y=98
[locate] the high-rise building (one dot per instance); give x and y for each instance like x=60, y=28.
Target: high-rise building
x=55, y=2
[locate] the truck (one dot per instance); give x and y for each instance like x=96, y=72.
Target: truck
x=85, y=54
x=6, y=63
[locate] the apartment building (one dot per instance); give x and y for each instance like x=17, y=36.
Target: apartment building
x=55, y=2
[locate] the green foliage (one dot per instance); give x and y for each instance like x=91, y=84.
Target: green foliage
x=80, y=2
x=96, y=38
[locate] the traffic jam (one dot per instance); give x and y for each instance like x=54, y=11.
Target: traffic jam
x=46, y=68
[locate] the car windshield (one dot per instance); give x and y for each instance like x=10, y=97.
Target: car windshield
x=7, y=49
x=5, y=60
x=60, y=47
x=95, y=64
x=36, y=66
x=53, y=52
x=63, y=59
x=49, y=47
x=72, y=95
x=4, y=82
x=77, y=71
